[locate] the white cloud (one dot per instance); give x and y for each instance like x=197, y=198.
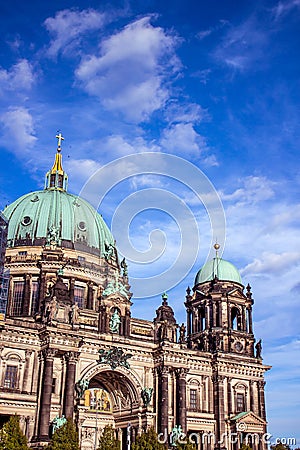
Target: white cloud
x=243, y=45
x=18, y=130
x=130, y=75
x=273, y=263
x=69, y=27
x=19, y=78
x=185, y=113
x=182, y=138
x=254, y=189
x=283, y=8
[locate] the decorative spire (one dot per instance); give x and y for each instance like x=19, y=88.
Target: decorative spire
x=165, y=298
x=57, y=178
x=216, y=247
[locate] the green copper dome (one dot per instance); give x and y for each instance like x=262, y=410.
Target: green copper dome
x=53, y=216
x=220, y=268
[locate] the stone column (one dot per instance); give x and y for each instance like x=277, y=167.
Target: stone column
x=72, y=284
x=218, y=385
x=181, y=397
x=71, y=359
x=261, y=396
x=127, y=322
x=250, y=320
x=42, y=292
x=90, y=296
x=188, y=321
x=25, y=387
x=163, y=399
x=46, y=392
x=252, y=395
x=26, y=299
x=229, y=395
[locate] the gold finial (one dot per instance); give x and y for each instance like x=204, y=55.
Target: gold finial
x=216, y=247
x=60, y=138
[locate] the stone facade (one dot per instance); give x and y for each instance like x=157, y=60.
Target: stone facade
x=69, y=347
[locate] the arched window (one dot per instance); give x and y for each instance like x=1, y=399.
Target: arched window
x=11, y=377
x=201, y=314
x=236, y=319
x=34, y=296
x=17, y=298
x=240, y=402
x=98, y=399
x=79, y=295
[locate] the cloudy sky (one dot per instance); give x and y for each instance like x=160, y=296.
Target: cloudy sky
x=214, y=83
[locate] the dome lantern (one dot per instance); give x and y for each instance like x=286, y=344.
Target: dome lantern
x=57, y=178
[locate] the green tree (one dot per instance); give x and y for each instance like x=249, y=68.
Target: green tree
x=148, y=441
x=280, y=446
x=11, y=436
x=107, y=440
x=65, y=438
x=245, y=447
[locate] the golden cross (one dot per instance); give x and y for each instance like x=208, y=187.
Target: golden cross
x=60, y=138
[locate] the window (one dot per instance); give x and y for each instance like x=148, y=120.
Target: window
x=35, y=296
x=201, y=319
x=11, y=377
x=17, y=299
x=53, y=385
x=240, y=403
x=235, y=319
x=193, y=399
x=22, y=253
x=97, y=399
x=79, y=296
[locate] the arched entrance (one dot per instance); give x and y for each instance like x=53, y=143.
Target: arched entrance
x=112, y=398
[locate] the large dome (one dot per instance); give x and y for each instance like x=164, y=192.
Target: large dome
x=37, y=218
x=218, y=267
x=33, y=215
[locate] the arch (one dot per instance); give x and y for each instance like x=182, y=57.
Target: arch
x=12, y=356
x=129, y=378
x=201, y=318
x=235, y=318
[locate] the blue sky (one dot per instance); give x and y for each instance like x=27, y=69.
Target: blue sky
x=214, y=83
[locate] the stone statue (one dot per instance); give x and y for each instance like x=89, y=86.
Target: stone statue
x=75, y=313
x=109, y=251
x=146, y=395
x=258, y=348
x=182, y=330
x=52, y=237
x=81, y=386
x=114, y=322
x=176, y=435
x=124, y=267
x=164, y=330
x=58, y=422
x=67, y=313
x=51, y=310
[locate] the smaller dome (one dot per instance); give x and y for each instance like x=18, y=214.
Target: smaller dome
x=219, y=268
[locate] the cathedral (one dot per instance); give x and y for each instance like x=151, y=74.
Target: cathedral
x=70, y=347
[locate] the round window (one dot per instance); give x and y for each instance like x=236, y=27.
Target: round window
x=82, y=226
x=26, y=220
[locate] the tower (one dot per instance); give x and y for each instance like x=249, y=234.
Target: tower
x=219, y=324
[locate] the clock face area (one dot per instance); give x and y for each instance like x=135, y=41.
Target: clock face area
x=238, y=346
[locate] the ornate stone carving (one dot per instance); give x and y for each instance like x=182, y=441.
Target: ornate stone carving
x=114, y=357
x=182, y=330
x=81, y=386
x=58, y=422
x=146, y=395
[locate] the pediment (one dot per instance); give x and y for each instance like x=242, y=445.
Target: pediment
x=249, y=418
